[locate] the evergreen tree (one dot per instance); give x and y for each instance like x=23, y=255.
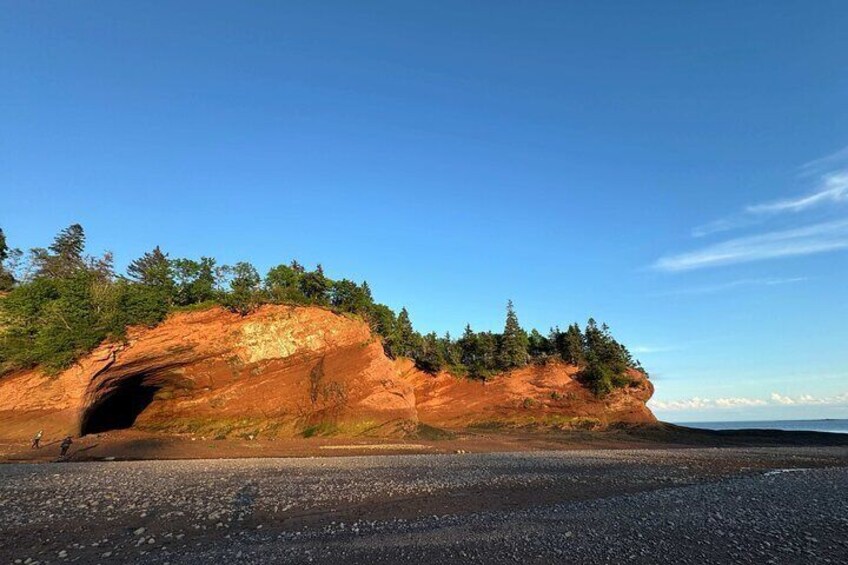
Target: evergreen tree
x=607, y=361
x=7, y=255
x=538, y=346
x=244, y=289
x=64, y=257
x=347, y=296
x=513, y=343
x=283, y=283
x=430, y=356
x=405, y=341
x=468, y=347
x=382, y=320
x=572, y=351
x=315, y=286
x=452, y=352
x=153, y=269
x=196, y=281
x=487, y=355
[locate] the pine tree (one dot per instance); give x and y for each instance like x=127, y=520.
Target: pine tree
x=430, y=355
x=4, y=247
x=468, y=347
x=514, y=342
x=64, y=257
x=315, y=286
x=7, y=277
x=405, y=340
x=153, y=269
x=572, y=351
x=452, y=351
x=539, y=347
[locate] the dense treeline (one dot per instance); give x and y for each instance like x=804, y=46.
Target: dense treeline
x=60, y=303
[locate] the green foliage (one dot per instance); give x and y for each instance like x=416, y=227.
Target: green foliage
x=603, y=377
x=538, y=346
x=4, y=247
x=245, y=288
x=430, y=356
x=348, y=296
x=69, y=306
x=479, y=353
x=606, y=360
x=64, y=257
x=569, y=345
x=154, y=269
x=403, y=340
x=196, y=281
x=71, y=302
x=282, y=283
x=50, y=322
x=512, y=350
x=315, y=286
x=7, y=256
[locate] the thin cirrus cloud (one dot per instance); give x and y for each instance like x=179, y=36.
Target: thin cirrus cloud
x=824, y=164
x=807, y=240
x=832, y=189
x=734, y=284
x=776, y=399
x=649, y=349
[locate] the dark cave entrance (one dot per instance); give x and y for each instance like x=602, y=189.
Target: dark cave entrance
x=119, y=408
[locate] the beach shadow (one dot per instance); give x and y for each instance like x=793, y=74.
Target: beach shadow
x=74, y=453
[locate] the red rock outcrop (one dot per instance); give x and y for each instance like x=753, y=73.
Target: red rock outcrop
x=287, y=371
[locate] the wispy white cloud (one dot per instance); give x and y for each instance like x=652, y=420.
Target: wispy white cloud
x=734, y=284
x=723, y=224
x=834, y=189
x=648, y=349
x=824, y=164
x=831, y=188
x=775, y=399
x=807, y=240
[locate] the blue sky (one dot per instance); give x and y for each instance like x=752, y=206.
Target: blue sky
x=678, y=170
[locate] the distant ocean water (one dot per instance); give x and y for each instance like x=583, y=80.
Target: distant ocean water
x=833, y=426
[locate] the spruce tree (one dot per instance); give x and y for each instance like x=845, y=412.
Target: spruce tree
x=429, y=356
x=514, y=342
x=315, y=286
x=405, y=339
x=539, y=347
x=153, y=269
x=4, y=247
x=64, y=257
x=7, y=277
x=572, y=351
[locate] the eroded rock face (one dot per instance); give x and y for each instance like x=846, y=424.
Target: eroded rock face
x=284, y=371
x=549, y=395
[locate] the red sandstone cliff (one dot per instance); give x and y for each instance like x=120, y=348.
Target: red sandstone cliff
x=286, y=371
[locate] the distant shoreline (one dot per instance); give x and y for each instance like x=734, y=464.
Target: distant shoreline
x=827, y=425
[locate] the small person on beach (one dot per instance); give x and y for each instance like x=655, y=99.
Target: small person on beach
x=36, y=440
x=66, y=444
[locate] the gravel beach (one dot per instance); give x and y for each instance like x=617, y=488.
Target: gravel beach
x=749, y=505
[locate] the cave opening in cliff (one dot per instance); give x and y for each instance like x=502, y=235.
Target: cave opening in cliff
x=119, y=408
